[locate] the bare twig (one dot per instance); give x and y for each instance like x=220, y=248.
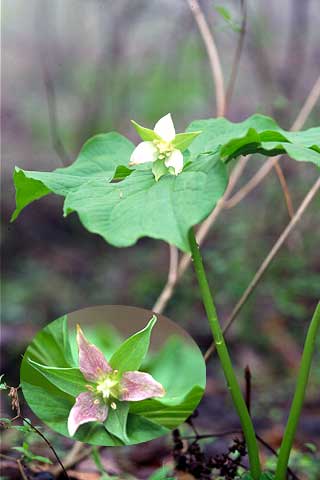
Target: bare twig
x=263, y=267
x=285, y=189
x=308, y=106
x=21, y=469
x=77, y=453
x=172, y=279
x=247, y=377
x=213, y=55
x=237, y=56
x=272, y=450
x=48, y=443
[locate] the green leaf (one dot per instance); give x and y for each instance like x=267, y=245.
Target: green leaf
x=69, y=380
x=51, y=346
x=139, y=206
x=183, y=140
x=130, y=354
x=256, y=134
x=159, y=169
x=116, y=422
x=146, y=134
x=99, y=158
x=223, y=12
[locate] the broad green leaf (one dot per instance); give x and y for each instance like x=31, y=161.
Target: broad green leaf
x=256, y=134
x=171, y=411
x=146, y=134
x=69, y=380
x=183, y=140
x=99, y=158
x=116, y=423
x=131, y=353
x=51, y=346
x=140, y=429
x=139, y=206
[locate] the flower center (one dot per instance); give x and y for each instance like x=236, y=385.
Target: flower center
x=164, y=149
x=108, y=386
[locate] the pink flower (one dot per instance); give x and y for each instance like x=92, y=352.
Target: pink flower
x=107, y=386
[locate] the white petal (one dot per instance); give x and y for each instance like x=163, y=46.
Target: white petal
x=143, y=153
x=175, y=160
x=165, y=128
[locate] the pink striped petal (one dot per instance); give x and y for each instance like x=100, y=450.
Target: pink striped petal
x=92, y=362
x=139, y=386
x=86, y=409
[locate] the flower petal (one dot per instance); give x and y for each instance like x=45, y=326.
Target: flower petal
x=143, y=153
x=175, y=160
x=86, y=409
x=165, y=128
x=92, y=362
x=139, y=386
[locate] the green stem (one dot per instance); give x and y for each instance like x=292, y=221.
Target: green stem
x=233, y=385
x=297, y=402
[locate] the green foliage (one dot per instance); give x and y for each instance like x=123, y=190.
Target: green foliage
x=138, y=205
x=256, y=134
x=50, y=390
x=29, y=456
x=129, y=356
x=98, y=159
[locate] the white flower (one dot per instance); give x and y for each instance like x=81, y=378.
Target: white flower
x=162, y=144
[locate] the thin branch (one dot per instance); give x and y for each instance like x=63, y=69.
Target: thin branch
x=285, y=189
x=237, y=56
x=247, y=377
x=77, y=453
x=21, y=469
x=172, y=279
x=263, y=267
x=213, y=55
x=48, y=443
x=308, y=106
x=272, y=450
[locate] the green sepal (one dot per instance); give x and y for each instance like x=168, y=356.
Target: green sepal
x=183, y=140
x=130, y=355
x=146, y=134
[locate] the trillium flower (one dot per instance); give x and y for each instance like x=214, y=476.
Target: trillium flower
x=162, y=146
x=107, y=386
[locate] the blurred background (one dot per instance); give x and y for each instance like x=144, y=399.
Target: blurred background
x=77, y=68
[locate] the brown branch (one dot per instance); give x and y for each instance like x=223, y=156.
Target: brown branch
x=247, y=377
x=237, y=56
x=285, y=189
x=213, y=55
x=172, y=279
x=266, y=262
x=77, y=453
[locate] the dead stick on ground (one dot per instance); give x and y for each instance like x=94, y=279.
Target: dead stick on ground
x=263, y=267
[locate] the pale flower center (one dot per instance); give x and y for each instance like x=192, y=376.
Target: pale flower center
x=164, y=149
x=108, y=387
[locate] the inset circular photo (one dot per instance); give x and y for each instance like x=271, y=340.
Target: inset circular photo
x=113, y=375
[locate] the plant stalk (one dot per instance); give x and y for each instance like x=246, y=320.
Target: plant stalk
x=298, y=398
x=232, y=382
